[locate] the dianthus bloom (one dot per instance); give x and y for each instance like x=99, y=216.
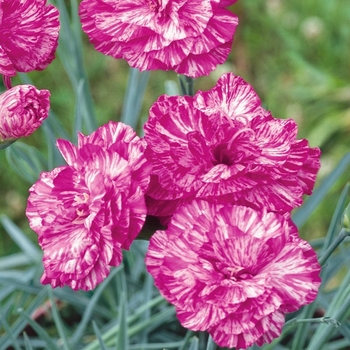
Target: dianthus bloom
x=22, y=110
x=222, y=146
x=28, y=35
x=233, y=271
x=190, y=37
x=87, y=211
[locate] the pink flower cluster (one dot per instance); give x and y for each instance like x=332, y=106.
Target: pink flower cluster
x=28, y=40
x=217, y=168
x=87, y=211
x=190, y=37
x=225, y=176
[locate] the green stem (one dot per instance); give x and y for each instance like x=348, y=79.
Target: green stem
x=308, y=311
x=186, y=85
x=342, y=235
x=189, y=86
x=327, y=320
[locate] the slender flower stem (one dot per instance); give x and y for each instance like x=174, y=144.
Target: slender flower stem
x=300, y=335
x=327, y=320
x=342, y=235
x=186, y=85
x=189, y=86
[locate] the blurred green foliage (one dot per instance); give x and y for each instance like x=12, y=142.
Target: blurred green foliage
x=295, y=54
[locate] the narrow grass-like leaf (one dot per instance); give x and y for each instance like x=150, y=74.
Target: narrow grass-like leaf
x=133, y=99
x=14, y=260
x=211, y=345
x=32, y=252
x=339, y=309
x=91, y=306
x=194, y=344
x=345, y=330
x=27, y=344
x=39, y=330
x=70, y=53
x=21, y=322
x=51, y=128
x=336, y=218
x=303, y=213
x=186, y=340
x=4, y=312
x=152, y=323
x=58, y=321
x=156, y=346
x=20, y=285
x=99, y=336
x=78, y=119
x=340, y=344
x=147, y=293
x=26, y=161
x=5, y=292
x=21, y=276
x=147, y=306
x=122, y=338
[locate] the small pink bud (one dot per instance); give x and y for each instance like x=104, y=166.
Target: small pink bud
x=22, y=110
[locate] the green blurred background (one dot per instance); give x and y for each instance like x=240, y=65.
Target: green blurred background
x=295, y=53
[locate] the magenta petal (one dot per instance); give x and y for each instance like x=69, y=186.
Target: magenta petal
x=28, y=35
x=233, y=271
x=189, y=36
x=222, y=146
x=68, y=151
x=85, y=213
x=23, y=108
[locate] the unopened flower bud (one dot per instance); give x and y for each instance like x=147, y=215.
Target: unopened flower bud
x=23, y=108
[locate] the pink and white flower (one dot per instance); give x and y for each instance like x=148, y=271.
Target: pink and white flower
x=233, y=271
x=190, y=37
x=28, y=35
x=23, y=108
x=223, y=146
x=87, y=211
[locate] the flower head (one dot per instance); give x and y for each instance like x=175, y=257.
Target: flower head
x=87, y=211
x=28, y=35
x=190, y=37
x=22, y=110
x=222, y=146
x=233, y=271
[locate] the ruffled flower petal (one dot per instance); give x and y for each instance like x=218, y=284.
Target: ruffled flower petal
x=23, y=108
x=223, y=146
x=28, y=35
x=85, y=213
x=189, y=36
x=233, y=271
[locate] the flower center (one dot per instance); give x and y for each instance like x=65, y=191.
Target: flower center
x=81, y=207
x=153, y=5
x=236, y=273
x=234, y=145
x=222, y=155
